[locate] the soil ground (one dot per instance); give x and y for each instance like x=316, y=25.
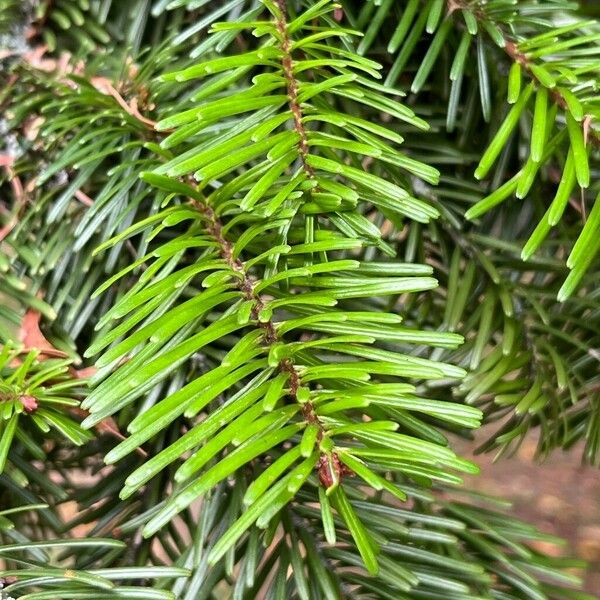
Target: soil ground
x=560, y=496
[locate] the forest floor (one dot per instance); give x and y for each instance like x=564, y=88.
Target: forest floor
x=560, y=496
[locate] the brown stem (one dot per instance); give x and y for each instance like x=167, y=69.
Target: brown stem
x=215, y=228
x=246, y=286
x=292, y=85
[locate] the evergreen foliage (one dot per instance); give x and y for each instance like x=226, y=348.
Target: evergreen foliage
x=261, y=262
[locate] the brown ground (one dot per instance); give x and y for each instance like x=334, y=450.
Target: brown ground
x=559, y=496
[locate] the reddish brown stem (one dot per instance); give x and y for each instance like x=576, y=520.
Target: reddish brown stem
x=292, y=85
x=246, y=286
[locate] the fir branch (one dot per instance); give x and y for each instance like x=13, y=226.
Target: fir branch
x=256, y=334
